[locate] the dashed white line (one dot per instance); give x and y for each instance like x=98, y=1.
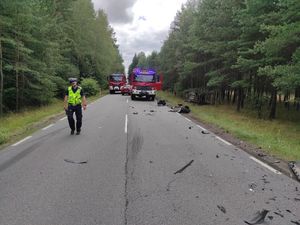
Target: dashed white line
x=265, y=165
x=63, y=118
x=126, y=123
x=221, y=139
x=187, y=119
x=25, y=139
x=201, y=127
x=127, y=100
x=45, y=128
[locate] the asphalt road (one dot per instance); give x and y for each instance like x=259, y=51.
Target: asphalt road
x=138, y=164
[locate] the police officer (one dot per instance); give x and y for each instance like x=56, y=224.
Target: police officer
x=73, y=102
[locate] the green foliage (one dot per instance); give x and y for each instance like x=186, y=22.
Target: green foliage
x=243, y=52
x=90, y=86
x=45, y=42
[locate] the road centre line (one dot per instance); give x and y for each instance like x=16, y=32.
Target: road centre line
x=127, y=100
x=45, y=128
x=265, y=165
x=221, y=139
x=126, y=123
x=25, y=139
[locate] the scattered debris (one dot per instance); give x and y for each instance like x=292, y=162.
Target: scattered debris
x=131, y=107
x=222, y=208
x=259, y=217
x=297, y=199
x=252, y=186
x=75, y=162
x=183, y=168
x=270, y=217
x=197, y=196
x=190, y=128
x=295, y=222
x=135, y=113
x=277, y=161
x=152, y=110
x=161, y=103
x=295, y=168
x=279, y=214
x=273, y=199
x=217, y=156
x=261, y=154
x=184, y=109
x=204, y=132
x=150, y=161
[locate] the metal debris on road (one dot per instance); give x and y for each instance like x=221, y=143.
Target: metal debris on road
x=161, y=103
x=295, y=168
x=222, y=208
x=75, y=162
x=183, y=168
x=258, y=218
x=204, y=132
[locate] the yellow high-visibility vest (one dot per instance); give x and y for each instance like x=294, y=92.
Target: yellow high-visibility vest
x=74, y=98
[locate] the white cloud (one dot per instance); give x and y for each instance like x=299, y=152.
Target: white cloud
x=140, y=25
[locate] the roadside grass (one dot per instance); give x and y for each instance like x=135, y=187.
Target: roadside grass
x=14, y=126
x=280, y=137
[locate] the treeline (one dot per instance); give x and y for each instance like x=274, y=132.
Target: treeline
x=44, y=42
x=240, y=52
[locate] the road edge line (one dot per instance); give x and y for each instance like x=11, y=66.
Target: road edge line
x=265, y=165
x=19, y=142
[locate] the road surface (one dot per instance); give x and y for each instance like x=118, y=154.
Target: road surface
x=138, y=164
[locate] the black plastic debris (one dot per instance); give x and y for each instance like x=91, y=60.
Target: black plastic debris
x=297, y=199
x=295, y=222
x=204, y=132
x=261, y=154
x=222, y=208
x=152, y=110
x=279, y=214
x=190, y=128
x=258, y=217
x=135, y=113
x=183, y=168
x=217, y=156
x=75, y=162
x=295, y=168
x=184, y=109
x=161, y=103
x=270, y=217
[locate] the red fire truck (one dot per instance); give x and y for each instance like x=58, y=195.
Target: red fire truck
x=145, y=83
x=115, y=82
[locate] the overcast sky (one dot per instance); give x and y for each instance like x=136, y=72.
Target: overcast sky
x=140, y=25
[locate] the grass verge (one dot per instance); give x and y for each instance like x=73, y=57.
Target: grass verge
x=17, y=125
x=278, y=137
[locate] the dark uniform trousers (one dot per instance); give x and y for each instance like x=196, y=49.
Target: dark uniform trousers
x=78, y=113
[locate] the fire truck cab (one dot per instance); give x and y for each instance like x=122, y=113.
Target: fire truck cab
x=115, y=82
x=145, y=83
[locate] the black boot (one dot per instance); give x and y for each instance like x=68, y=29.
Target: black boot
x=72, y=132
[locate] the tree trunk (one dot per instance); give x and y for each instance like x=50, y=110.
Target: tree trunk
x=1, y=80
x=273, y=104
x=239, y=103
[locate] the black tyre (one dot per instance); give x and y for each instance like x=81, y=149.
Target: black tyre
x=132, y=97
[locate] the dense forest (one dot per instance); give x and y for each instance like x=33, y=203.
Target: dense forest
x=43, y=42
x=241, y=52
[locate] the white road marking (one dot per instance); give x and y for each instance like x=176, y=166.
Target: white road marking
x=187, y=119
x=126, y=123
x=127, y=100
x=265, y=165
x=201, y=127
x=25, y=139
x=226, y=142
x=45, y=128
x=63, y=118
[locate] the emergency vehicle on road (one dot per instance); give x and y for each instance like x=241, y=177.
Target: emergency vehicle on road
x=115, y=82
x=145, y=83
